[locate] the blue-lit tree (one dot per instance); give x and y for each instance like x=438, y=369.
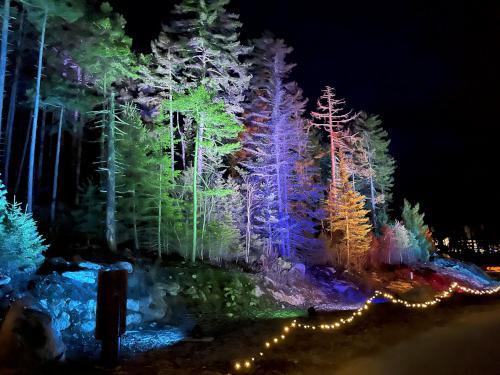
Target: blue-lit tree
x=21, y=246
x=40, y=13
x=274, y=141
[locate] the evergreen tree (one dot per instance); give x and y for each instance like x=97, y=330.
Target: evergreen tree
x=274, y=141
x=105, y=55
x=332, y=118
x=21, y=246
x=347, y=221
x=209, y=38
x=215, y=129
x=89, y=215
x=161, y=73
x=414, y=222
x=14, y=96
x=40, y=12
x=5, y=10
x=380, y=165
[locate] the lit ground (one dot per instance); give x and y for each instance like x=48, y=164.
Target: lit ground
x=460, y=336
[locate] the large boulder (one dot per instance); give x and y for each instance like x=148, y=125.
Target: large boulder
x=28, y=338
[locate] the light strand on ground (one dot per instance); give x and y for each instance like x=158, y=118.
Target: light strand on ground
x=287, y=329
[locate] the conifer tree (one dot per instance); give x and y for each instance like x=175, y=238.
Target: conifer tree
x=105, y=55
x=380, y=166
x=332, y=118
x=161, y=72
x=5, y=10
x=273, y=144
x=348, y=221
x=414, y=222
x=21, y=246
x=216, y=129
x=209, y=38
x=40, y=12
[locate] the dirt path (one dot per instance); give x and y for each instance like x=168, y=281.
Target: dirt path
x=459, y=336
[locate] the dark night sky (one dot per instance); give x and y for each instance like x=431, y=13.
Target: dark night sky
x=429, y=69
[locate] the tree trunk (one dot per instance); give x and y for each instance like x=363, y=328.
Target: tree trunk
x=23, y=158
x=41, y=151
x=195, y=195
x=78, y=166
x=134, y=221
x=56, y=168
x=3, y=56
x=171, y=128
x=13, y=101
x=158, y=231
x=31, y=168
x=111, y=178
x=248, y=232
x=183, y=143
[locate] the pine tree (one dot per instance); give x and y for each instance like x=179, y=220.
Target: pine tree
x=89, y=215
x=3, y=56
x=273, y=143
x=380, y=166
x=414, y=222
x=347, y=221
x=21, y=246
x=215, y=129
x=105, y=55
x=209, y=38
x=161, y=74
x=332, y=118
x=39, y=13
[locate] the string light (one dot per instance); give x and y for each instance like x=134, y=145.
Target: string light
x=247, y=364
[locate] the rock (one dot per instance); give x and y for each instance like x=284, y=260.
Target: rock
x=88, y=326
x=284, y=264
x=28, y=339
x=58, y=261
x=257, y=292
x=90, y=266
x=133, y=305
x=87, y=277
x=172, y=288
x=61, y=322
x=134, y=318
x=4, y=280
x=123, y=266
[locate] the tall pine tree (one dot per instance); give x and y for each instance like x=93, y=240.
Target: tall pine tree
x=348, y=221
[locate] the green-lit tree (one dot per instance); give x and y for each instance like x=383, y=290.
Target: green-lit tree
x=380, y=166
x=105, y=55
x=414, y=221
x=209, y=37
x=215, y=129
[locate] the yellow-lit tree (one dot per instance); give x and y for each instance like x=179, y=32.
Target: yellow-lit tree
x=348, y=223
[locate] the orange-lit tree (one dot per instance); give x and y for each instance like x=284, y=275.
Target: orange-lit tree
x=332, y=117
x=348, y=223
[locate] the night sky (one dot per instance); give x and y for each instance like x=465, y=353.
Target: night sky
x=429, y=69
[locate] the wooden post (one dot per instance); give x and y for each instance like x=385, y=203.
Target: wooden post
x=111, y=313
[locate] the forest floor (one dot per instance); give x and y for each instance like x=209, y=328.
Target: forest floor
x=458, y=336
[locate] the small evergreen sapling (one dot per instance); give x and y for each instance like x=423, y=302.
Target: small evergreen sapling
x=21, y=246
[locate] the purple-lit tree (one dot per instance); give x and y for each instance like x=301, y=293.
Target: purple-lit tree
x=273, y=146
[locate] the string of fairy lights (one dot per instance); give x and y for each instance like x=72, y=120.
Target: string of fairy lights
x=248, y=363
